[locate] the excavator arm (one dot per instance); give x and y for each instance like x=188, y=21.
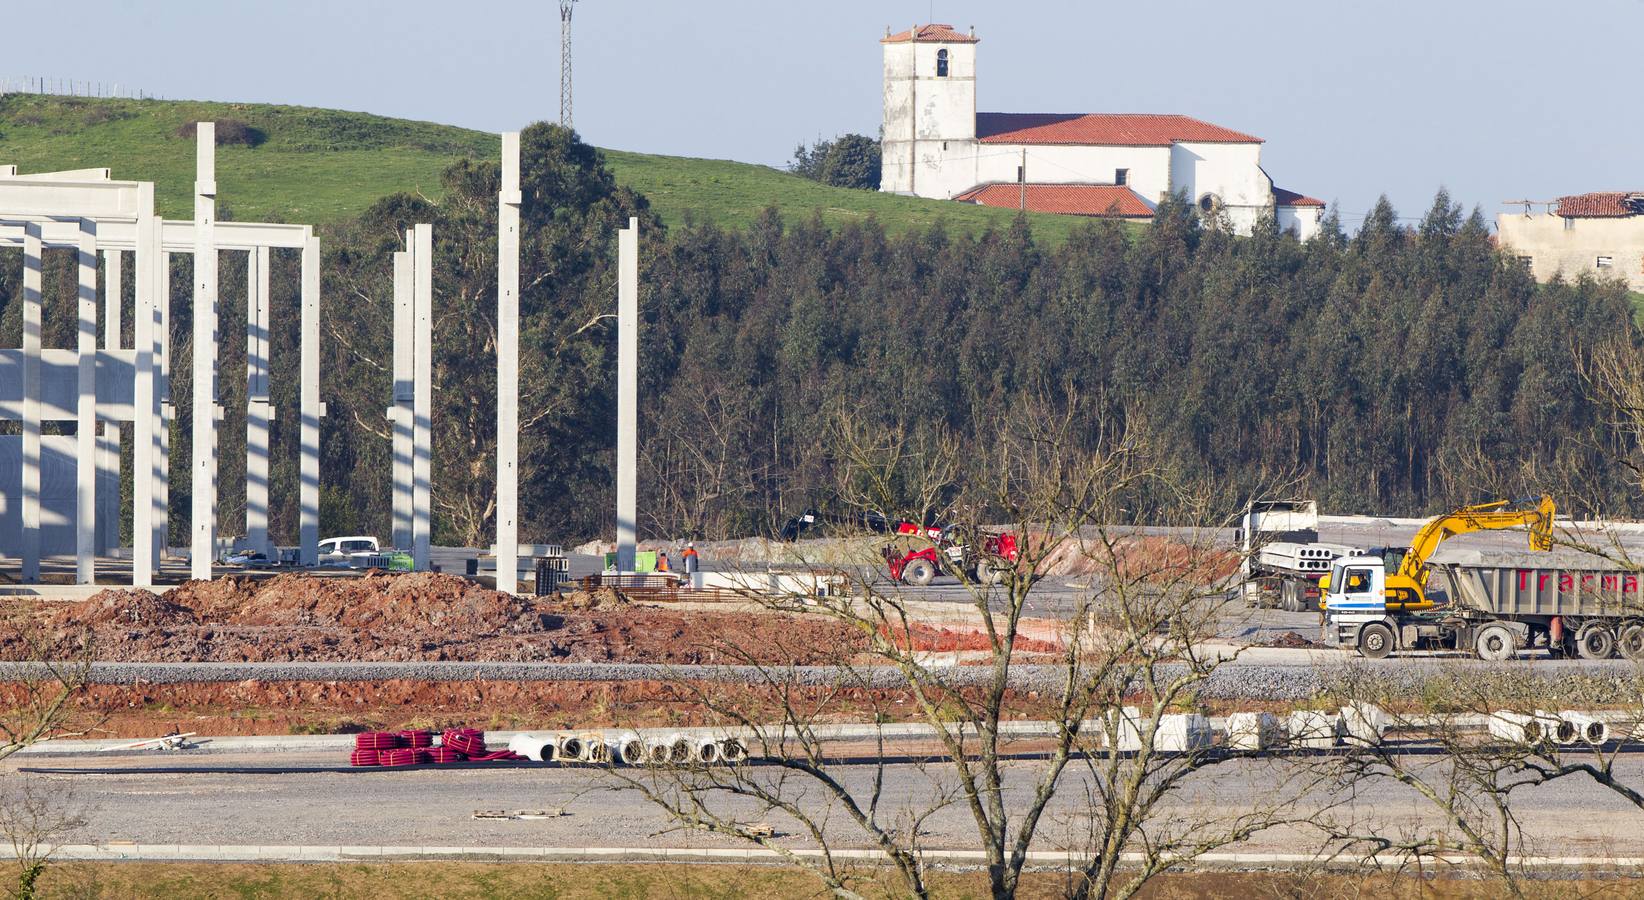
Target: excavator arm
x=1535, y=513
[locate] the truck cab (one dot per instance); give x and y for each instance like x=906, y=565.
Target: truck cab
x=1357, y=585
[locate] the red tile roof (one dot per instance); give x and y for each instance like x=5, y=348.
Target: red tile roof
x=1282, y=197
x=1601, y=205
x=1102, y=129
x=928, y=34
x=1067, y=199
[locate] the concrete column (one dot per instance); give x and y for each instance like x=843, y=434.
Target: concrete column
x=108, y=455
x=422, y=461
x=308, y=469
x=85, y=411
x=203, y=431
x=32, y=308
x=400, y=413
x=145, y=446
x=508, y=204
x=258, y=412
x=168, y=410
x=627, y=394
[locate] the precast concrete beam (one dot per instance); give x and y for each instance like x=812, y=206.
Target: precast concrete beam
x=108, y=455
x=311, y=409
x=507, y=504
x=627, y=395
x=85, y=426
x=203, y=430
x=32, y=309
x=258, y=412
x=422, y=462
x=401, y=413
x=145, y=452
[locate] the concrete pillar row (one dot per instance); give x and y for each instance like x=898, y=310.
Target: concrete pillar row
x=507, y=505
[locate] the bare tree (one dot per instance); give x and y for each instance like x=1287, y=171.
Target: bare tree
x=36, y=817
x=1110, y=755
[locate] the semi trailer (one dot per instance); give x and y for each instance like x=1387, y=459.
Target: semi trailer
x=1281, y=556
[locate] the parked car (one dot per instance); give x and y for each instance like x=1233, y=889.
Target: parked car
x=336, y=551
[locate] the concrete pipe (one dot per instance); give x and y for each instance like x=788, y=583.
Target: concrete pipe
x=569, y=748
x=1519, y=728
x=681, y=750
x=594, y=749
x=534, y=747
x=656, y=752
x=732, y=751
x=1589, y=730
x=708, y=751
x=629, y=748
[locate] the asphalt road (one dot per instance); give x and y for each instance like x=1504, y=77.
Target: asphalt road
x=431, y=806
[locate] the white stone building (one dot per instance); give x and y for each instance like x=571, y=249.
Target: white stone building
x=935, y=144
x=1600, y=234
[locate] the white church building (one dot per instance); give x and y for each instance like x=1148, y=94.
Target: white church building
x=935, y=144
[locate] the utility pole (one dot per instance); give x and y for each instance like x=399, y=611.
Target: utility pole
x=565, y=61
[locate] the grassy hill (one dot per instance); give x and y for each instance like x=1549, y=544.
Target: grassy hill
x=322, y=165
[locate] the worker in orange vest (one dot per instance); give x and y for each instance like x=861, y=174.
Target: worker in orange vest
x=690, y=559
x=662, y=561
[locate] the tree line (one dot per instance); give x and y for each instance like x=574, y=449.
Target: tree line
x=1394, y=371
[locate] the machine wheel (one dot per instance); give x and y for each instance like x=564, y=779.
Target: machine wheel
x=1631, y=643
x=987, y=574
x=919, y=572
x=1290, y=596
x=1495, y=643
x=1375, y=641
x=1595, y=641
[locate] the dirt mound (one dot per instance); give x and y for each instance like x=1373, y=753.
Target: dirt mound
x=1291, y=640
x=418, y=600
x=1141, y=558
x=125, y=608
x=421, y=616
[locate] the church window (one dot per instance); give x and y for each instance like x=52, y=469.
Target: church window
x=941, y=64
x=1121, y=177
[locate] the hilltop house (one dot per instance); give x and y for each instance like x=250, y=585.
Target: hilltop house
x=1097, y=164
x=1600, y=233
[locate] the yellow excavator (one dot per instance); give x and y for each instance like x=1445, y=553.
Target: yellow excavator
x=1406, y=589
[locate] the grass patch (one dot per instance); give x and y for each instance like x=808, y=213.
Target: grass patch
x=599, y=881
x=316, y=166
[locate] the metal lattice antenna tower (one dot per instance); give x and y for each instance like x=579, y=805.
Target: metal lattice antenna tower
x=565, y=61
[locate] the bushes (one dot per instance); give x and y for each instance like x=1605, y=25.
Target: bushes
x=230, y=132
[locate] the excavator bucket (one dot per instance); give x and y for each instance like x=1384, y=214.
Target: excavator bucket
x=1541, y=530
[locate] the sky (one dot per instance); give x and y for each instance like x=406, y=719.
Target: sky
x=1493, y=99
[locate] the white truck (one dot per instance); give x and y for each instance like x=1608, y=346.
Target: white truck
x=1282, y=557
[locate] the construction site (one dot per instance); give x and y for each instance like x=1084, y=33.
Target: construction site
x=891, y=660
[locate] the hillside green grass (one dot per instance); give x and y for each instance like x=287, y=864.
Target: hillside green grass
x=323, y=165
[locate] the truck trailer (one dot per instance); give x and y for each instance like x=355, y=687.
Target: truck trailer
x=1494, y=606
x=1282, y=557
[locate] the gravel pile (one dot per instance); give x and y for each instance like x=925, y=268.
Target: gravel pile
x=1231, y=682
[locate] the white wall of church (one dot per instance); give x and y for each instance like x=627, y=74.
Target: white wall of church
x=922, y=113
x=1303, y=221
x=1149, y=167
x=1230, y=171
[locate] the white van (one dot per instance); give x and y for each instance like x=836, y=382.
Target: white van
x=336, y=551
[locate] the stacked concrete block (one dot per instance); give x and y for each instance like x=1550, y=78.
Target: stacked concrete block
x=1176, y=732
x=1363, y=724
x=1254, y=731
x=1313, y=730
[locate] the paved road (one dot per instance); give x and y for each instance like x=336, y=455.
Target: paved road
x=431, y=806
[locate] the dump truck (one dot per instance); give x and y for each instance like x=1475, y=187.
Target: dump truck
x=1493, y=604
x=1282, y=557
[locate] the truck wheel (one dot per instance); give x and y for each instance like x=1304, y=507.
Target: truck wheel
x=1595, y=642
x=1289, y=596
x=1375, y=641
x=919, y=572
x=1495, y=643
x=1631, y=643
